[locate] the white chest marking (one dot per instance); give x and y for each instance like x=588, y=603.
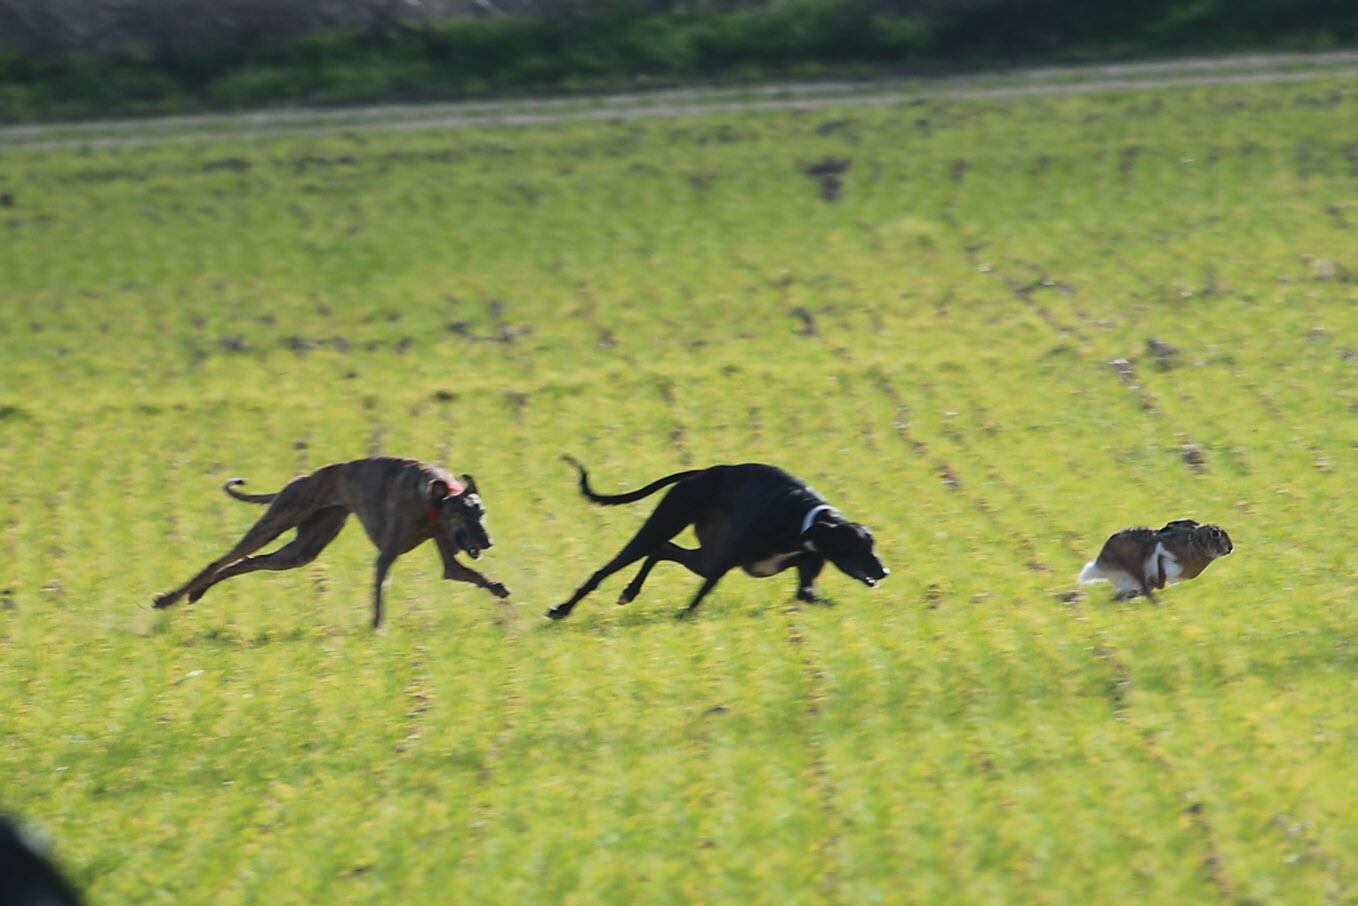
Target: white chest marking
x=1172, y=568
x=770, y=565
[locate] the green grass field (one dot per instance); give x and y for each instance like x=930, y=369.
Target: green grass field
x=930, y=346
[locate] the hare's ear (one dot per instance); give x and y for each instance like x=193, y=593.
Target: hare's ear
x=437, y=489
x=1179, y=525
x=470, y=484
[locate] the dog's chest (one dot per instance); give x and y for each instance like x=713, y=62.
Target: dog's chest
x=771, y=565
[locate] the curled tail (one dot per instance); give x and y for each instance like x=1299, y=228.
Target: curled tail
x=230, y=488
x=630, y=496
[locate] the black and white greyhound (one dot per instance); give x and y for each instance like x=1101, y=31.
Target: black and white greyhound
x=752, y=515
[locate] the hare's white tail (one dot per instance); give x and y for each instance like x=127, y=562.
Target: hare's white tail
x=1091, y=573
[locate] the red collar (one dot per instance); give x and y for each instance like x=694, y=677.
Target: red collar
x=454, y=489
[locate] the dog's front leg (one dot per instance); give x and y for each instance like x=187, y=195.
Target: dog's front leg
x=808, y=568
x=384, y=562
x=459, y=572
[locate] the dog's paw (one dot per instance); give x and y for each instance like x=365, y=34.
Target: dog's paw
x=160, y=602
x=626, y=597
x=811, y=596
x=559, y=612
x=498, y=589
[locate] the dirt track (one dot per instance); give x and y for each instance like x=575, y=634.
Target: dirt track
x=674, y=103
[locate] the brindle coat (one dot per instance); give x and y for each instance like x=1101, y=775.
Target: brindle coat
x=401, y=503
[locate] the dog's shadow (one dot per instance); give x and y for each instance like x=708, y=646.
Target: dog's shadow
x=230, y=637
x=662, y=615
x=631, y=618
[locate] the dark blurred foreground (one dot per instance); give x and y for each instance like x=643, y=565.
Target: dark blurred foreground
x=73, y=58
x=27, y=878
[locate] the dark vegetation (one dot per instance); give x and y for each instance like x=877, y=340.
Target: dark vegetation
x=62, y=60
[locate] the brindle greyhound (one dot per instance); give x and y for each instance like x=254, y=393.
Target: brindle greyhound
x=754, y=516
x=401, y=503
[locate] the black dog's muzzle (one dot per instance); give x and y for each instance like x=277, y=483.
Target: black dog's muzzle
x=871, y=581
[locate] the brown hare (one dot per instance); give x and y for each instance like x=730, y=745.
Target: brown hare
x=1139, y=560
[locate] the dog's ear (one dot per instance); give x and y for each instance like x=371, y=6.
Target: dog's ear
x=470, y=484
x=438, y=489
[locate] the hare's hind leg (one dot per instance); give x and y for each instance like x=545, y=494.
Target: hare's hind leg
x=1127, y=585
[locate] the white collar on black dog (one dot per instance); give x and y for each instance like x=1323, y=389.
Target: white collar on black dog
x=809, y=520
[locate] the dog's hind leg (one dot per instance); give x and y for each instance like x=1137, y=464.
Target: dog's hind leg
x=629, y=554
x=713, y=577
x=690, y=558
x=669, y=519
x=312, y=537
x=269, y=527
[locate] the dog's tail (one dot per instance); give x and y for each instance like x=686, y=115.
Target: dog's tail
x=230, y=488
x=630, y=496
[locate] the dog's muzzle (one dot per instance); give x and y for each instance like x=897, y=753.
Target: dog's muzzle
x=871, y=581
x=472, y=546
